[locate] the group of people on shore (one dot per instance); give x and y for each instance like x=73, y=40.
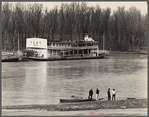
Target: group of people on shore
x=108, y=93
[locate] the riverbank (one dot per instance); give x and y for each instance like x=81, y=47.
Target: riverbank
x=133, y=107
x=143, y=52
x=94, y=105
x=99, y=112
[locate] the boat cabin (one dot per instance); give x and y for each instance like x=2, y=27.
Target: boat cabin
x=88, y=37
x=36, y=45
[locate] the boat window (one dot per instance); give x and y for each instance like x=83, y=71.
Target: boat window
x=53, y=44
x=37, y=42
x=31, y=41
x=40, y=42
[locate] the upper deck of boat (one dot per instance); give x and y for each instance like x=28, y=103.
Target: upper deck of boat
x=72, y=44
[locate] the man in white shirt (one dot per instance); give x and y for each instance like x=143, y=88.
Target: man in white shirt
x=113, y=94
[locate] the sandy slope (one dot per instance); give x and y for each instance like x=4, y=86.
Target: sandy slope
x=99, y=112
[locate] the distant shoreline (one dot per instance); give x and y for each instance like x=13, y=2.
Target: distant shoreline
x=129, y=52
x=94, y=105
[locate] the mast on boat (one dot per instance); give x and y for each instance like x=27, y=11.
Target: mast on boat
x=18, y=41
x=103, y=40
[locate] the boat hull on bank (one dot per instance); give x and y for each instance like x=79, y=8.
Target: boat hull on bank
x=10, y=60
x=75, y=100
x=9, y=57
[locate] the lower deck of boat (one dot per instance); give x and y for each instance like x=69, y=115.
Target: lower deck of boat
x=64, y=58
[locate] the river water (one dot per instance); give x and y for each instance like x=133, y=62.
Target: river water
x=45, y=82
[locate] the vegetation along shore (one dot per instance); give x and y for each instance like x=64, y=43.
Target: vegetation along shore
x=122, y=30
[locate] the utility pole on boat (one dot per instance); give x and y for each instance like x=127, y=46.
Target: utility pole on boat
x=19, y=53
x=103, y=40
x=18, y=41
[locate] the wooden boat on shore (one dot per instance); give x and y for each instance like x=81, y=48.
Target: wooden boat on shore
x=75, y=100
x=10, y=60
x=9, y=57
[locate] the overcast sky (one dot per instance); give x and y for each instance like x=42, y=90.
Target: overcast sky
x=141, y=5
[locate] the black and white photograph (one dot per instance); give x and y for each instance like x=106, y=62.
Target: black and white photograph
x=74, y=58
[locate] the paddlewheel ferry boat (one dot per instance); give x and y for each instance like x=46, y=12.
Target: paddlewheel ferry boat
x=40, y=49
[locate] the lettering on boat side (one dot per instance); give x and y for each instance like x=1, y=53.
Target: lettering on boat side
x=92, y=113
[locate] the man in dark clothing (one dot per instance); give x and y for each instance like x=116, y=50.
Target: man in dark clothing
x=90, y=93
x=97, y=94
x=109, y=95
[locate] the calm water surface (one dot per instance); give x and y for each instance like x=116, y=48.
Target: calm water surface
x=25, y=83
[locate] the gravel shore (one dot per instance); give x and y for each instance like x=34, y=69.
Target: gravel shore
x=93, y=105
x=99, y=112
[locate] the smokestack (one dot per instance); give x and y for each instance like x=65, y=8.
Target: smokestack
x=83, y=32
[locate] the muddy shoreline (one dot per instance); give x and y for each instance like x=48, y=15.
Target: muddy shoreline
x=143, y=52
x=94, y=105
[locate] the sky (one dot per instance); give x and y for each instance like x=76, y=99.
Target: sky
x=141, y=5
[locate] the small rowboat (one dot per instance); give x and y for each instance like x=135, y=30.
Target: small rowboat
x=131, y=98
x=75, y=100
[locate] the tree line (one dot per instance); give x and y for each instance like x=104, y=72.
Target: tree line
x=122, y=30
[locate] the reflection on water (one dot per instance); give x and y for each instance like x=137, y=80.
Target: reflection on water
x=46, y=82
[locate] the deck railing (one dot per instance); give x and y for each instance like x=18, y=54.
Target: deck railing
x=73, y=48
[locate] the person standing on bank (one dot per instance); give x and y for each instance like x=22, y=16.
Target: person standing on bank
x=109, y=95
x=97, y=94
x=90, y=93
x=113, y=94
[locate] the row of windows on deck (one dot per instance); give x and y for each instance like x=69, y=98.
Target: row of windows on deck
x=35, y=42
x=73, y=45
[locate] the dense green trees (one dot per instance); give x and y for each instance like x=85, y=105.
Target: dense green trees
x=121, y=30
